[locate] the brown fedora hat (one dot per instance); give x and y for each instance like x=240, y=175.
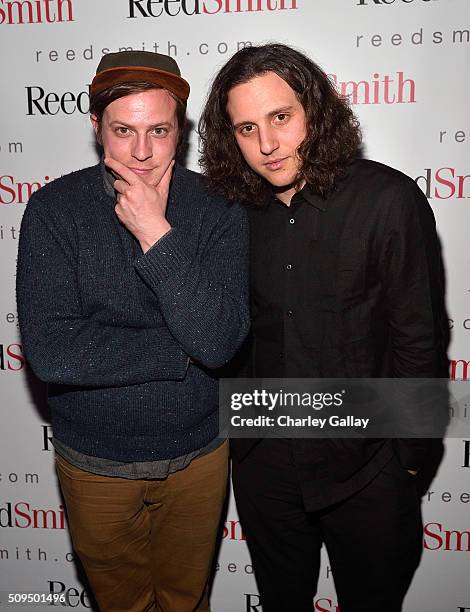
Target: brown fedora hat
x=139, y=66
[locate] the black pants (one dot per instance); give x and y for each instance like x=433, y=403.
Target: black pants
x=373, y=538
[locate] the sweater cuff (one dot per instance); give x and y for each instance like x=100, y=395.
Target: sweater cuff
x=167, y=257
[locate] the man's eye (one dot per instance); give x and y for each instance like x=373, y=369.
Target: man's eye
x=122, y=131
x=282, y=117
x=160, y=131
x=246, y=129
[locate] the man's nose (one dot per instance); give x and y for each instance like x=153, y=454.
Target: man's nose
x=142, y=148
x=268, y=141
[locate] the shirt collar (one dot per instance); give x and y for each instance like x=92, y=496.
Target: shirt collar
x=108, y=180
x=307, y=195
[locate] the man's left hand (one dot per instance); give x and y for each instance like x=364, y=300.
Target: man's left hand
x=141, y=207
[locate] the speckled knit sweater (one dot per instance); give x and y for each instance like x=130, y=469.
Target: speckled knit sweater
x=129, y=341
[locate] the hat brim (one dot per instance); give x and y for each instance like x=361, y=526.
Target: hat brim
x=133, y=74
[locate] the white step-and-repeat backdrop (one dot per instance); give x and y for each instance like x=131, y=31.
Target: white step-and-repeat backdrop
x=405, y=65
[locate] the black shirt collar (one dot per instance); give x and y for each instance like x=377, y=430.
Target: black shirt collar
x=306, y=195
x=309, y=196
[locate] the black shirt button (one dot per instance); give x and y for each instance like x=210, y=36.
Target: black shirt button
x=290, y=313
x=289, y=266
x=291, y=220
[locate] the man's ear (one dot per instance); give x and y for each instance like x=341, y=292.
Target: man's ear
x=96, y=126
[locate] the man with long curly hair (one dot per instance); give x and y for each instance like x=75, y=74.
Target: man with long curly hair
x=346, y=281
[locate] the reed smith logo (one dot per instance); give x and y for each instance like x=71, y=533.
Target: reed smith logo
x=36, y=11
x=42, y=102
x=22, y=515
x=11, y=357
x=69, y=596
x=233, y=531
x=378, y=89
x=395, y=88
x=437, y=537
x=444, y=183
x=459, y=369
x=14, y=191
x=173, y=8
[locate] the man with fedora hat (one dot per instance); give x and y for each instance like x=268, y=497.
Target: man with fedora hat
x=131, y=292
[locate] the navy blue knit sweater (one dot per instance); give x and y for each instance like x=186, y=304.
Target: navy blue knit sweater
x=112, y=329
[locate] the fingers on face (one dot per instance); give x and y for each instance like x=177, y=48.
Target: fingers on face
x=121, y=186
x=130, y=177
x=166, y=178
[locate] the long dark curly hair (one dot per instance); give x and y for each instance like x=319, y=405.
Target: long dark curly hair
x=333, y=134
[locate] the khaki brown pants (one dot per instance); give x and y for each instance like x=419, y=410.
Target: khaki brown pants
x=147, y=544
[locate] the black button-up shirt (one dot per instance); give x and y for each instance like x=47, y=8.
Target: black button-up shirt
x=347, y=286
x=282, y=272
